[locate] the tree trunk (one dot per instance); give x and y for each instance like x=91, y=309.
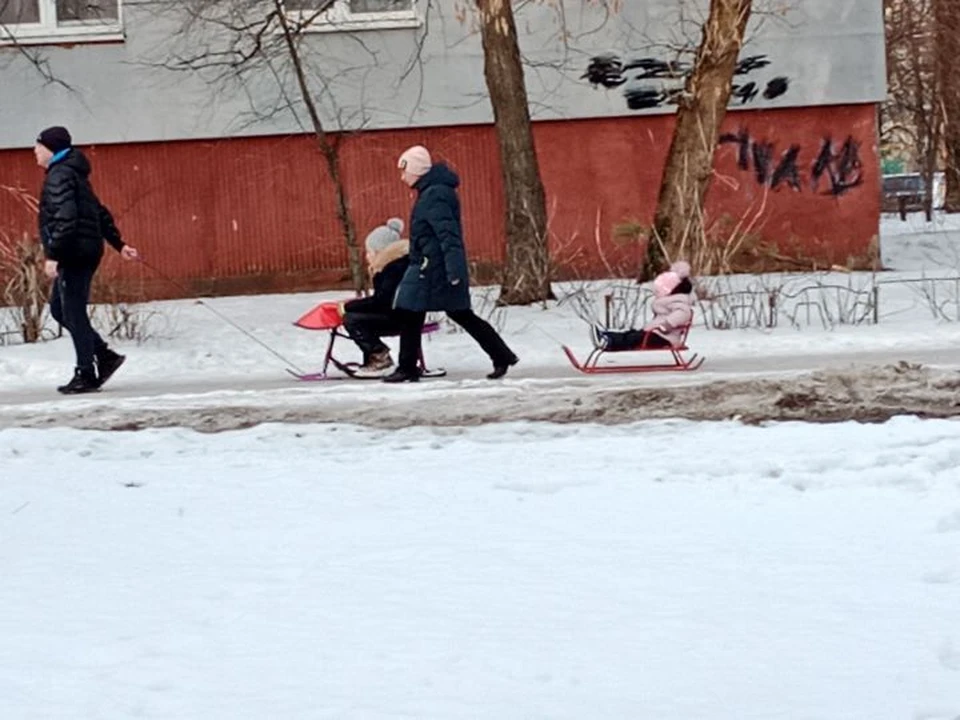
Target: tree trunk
x=331, y=155
x=952, y=200
x=948, y=45
x=678, y=223
x=527, y=276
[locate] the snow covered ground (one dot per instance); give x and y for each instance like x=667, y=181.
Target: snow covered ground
x=192, y=358
x=189, y=347
x=915, y=244
x=660, y=570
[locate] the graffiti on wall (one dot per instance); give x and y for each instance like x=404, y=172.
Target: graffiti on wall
x=831, y=168
x=649, y=82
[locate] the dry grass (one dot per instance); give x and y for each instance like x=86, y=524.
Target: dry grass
x=21, y=270
x=25, y=289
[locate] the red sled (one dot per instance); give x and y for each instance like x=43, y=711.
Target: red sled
x=328, y=316
x=591, y=365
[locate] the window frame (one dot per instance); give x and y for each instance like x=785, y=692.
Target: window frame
x=339, y=19
x=50, y=32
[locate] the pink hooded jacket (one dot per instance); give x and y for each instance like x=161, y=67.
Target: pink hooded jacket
x=671, y=313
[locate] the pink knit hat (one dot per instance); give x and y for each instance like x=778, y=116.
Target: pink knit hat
x=416, y=161
x=681, y=268
x=665, y=283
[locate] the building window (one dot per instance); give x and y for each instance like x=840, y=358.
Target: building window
x=348, y=15
x=39, y=21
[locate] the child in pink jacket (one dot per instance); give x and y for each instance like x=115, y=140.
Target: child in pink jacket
x=672, y=311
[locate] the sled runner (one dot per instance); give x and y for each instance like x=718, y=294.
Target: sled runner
x=328, y=316
x=591, y=366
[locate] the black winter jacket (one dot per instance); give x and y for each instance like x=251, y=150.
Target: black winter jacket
x=385, y=284
x=438, y=277
x=73, y=222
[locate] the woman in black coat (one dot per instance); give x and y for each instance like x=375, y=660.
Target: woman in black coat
x=437, y=278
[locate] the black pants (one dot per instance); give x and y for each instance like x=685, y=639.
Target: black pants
x=68, y=305
x=366, y=329
x=476, y=327
x=634, y=340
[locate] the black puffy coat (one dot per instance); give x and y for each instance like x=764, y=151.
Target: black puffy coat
x=385, y=284
x=437, y=255
x=73, y=222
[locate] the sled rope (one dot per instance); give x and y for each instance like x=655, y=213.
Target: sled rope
x=182, y=288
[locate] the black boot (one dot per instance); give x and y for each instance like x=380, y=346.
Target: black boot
x=500, y=368
x=400, y=376
x=84, y=381
x=108, y=362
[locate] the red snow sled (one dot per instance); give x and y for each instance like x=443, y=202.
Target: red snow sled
x=329, y=316
x=591, y=365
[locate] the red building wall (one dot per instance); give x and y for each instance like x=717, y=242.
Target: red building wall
x=257, y=214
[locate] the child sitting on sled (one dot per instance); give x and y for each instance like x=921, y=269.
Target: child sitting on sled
x=367, y=319
x=672, y=311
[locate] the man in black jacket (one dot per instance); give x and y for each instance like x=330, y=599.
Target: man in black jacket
x=73, y=224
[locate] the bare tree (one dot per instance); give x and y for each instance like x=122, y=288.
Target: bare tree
x=947, y=16
x=921, y=119
x=10, y=13
x=527, y=275
x=237, y=43
x=528, y=269
x=702, y=107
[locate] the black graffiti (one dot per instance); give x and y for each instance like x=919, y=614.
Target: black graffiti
x=768, y=169
x=749, y=64
x=777, y=87
x=842, y=167
x=637, y=77
x=641, y=99
x=611, y=72
x=749, y=92
x=788, y=171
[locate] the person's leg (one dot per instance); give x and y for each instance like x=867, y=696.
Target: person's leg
x=411, y=327
x=487, y=338
x=56, y=304
x=69, y=302
x=74, y=294
x=365, y=330
x=632, y=340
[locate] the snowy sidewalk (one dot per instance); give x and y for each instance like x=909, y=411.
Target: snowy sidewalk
x=874, y=387
x=195, y=361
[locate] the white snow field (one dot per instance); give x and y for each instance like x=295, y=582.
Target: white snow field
x=667, y=570
x=915, y=244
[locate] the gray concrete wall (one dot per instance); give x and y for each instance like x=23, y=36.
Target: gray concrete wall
x=820, y=52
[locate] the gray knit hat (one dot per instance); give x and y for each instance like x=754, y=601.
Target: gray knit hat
x=385, y=235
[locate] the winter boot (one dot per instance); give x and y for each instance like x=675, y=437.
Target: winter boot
x=399, y=376
x=598, y=336
x=376, y=366
x=500, y=368
x=84, y=381
x=108, y=362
